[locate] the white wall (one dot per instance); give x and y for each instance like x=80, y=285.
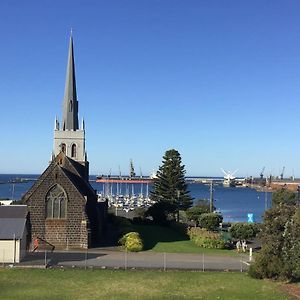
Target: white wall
x=12, y=251
x=9, y=251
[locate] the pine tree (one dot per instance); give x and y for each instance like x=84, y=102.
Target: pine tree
x=170, y=185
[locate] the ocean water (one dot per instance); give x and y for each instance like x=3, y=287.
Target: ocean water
x=234, y=203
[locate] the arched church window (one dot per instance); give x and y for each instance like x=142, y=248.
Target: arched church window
x=73, y=151
x=63, y=148
x=56, y=203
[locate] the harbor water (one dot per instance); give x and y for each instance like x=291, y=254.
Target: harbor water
x=235, y=203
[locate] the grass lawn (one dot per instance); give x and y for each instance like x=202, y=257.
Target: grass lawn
x=165, y=239
x=107, y=284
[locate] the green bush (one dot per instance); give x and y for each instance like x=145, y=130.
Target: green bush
x=206, y=239
x=195, y=212
x=132, y=242
x=267, y=265
x=210, y=221
x=178, y=227
x=244, y=231
x=279, y=256
x=121, y=224
x=160, y=212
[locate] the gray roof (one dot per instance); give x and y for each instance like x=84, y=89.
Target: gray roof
x=70, y=104
x=12, y=221
x=13, y=211
x=11, y=228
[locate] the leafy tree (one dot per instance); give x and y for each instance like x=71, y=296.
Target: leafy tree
x=194, y=213
x=170, y=185
x=210, y=221
x=244, y=231
x=291, y=248
x=159, y=211
x=280, y=240
x=284, y=196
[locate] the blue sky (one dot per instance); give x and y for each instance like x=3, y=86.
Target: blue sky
x=217, y=80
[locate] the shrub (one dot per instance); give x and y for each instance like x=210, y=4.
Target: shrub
x=132, y=242
x=194, y=213
x=122, y=224
x=178, y=227
x=210, y=221
x=280, y=236
x=244, y=231
x=267, y=265
x=160, y=212
x=206, y=239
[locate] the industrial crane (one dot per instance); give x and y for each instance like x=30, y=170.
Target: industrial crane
x=282, y=172
x=262, y=173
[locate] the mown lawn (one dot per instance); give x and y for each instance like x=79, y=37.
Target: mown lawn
x=165, y=239
x=108, y=284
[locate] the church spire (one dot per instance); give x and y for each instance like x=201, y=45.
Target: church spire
x=70, y=104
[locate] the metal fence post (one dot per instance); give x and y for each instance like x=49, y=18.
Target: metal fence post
x=165, y=261
x=85, y=258
x=241, y=260
x=203, y=265
x=125, y=260
x=45, y=258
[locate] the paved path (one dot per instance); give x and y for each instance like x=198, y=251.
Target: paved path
x=144, y=260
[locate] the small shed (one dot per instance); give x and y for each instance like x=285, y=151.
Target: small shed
x=13, y=233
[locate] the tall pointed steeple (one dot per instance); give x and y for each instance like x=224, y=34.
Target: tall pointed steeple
x=68, y=137
x=70, y=103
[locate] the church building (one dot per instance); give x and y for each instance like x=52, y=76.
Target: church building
x=63, y=207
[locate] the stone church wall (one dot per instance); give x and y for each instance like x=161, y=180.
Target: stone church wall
x=72, y=231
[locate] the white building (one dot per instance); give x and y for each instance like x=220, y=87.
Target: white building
x=13, y=233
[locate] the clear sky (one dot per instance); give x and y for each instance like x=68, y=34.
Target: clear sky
x=217, y=80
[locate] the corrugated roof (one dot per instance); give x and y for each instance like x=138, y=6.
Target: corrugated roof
x=11, y=228
x=13, y=211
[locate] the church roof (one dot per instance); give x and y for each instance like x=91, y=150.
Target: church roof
x=71, y=169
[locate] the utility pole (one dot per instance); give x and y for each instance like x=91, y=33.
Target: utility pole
x=211, y=192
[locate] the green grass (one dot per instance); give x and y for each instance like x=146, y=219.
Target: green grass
x=165, y=239
x=107, y=284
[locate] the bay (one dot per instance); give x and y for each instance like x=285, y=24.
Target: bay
x=235, y=203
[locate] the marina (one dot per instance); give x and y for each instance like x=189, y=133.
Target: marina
x=235, y=203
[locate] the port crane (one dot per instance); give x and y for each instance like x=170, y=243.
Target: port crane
x=228, y=174
x=262, y=173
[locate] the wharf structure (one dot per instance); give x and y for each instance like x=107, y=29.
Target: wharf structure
x=64, y=210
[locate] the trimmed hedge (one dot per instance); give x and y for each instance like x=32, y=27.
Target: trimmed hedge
x=132, y=242
x=206, y=239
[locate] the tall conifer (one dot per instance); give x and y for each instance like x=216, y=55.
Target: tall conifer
x=170, y=185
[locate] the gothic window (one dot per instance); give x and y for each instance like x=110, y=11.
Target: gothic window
x=71, y=106
x=73, y=151
x=56, y=203
x=63, y=148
